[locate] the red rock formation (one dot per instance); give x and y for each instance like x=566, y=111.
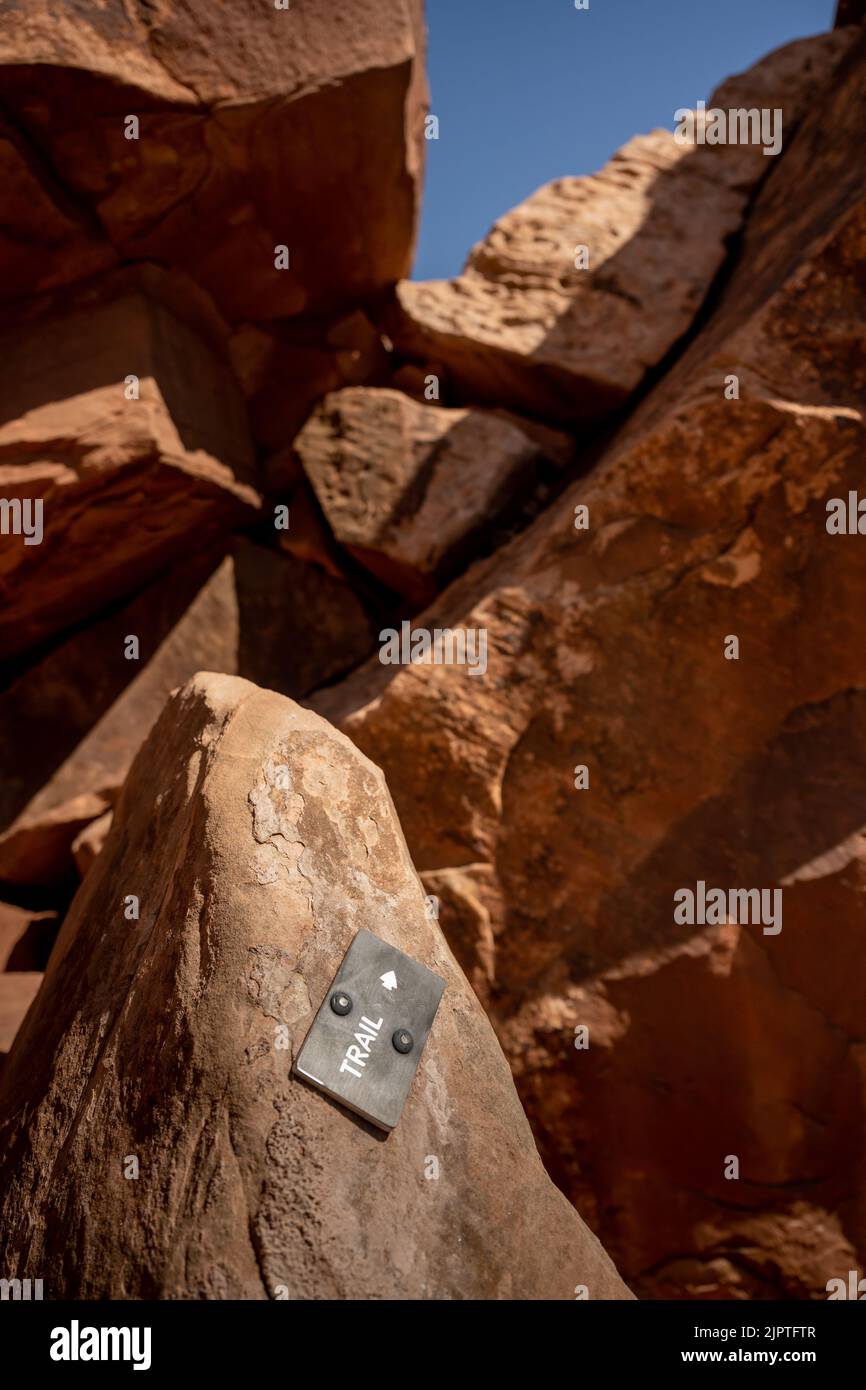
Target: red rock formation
x=407, y=488
x=575, y=294
x=236, y=107
x=160, y=1039
x=252, y=611
x=123, y=436
x=242, y=467
x=707, y=518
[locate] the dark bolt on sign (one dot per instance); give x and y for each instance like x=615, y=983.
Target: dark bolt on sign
x=367, y=1038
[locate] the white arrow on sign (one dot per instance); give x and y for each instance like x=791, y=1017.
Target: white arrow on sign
x=389, y=980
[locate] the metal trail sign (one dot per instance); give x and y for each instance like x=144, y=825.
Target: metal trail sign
x=366, y=1041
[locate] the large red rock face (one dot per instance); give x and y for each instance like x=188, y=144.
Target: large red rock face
x=258, y=127
x=608, y=649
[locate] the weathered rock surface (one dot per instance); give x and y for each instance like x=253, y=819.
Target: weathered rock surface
x=524, y=328
x=120, y=483
x=258, y=127
x=406, y=487
x=707, y=520
x=82, y=712
x=157, y=1039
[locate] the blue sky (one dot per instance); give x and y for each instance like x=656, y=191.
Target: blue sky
x=529, y=90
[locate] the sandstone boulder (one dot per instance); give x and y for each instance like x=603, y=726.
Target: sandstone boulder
x=408, y=488
x=122, y=434
x=621, y=747
x=257, y=127
x=82, y=711
x=260, y=841
x=530, y=326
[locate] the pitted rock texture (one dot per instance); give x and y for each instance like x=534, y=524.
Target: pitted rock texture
x=532, y=326
x=407, y=487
